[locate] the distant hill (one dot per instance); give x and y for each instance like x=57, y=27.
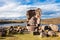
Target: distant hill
x=12, y=21
x=51, y=21
x=43, y=21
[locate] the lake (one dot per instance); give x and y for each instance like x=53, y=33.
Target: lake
x=15, y=24
x=12, y=24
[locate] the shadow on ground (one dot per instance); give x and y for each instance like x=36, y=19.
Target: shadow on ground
x=6, y=37
x=2, y=38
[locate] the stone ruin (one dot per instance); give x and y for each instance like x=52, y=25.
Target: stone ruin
x=33, y=19
x=33, y=24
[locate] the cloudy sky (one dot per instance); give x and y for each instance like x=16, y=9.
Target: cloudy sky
x=10, y=9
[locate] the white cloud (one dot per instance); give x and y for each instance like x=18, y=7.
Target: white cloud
x=8, y=7
x=12, y=9
x=9, y=15
x=56, y=14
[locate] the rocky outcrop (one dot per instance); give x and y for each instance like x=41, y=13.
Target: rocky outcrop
x=54, y=27
x=51, y=33
x=45, y=27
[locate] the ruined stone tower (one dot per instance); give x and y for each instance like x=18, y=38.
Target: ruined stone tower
x=33, y=19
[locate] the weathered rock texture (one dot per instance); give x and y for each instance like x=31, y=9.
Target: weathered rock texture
x=54, y=27
x=33, y=18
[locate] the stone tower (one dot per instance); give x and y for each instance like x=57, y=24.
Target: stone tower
x=33, y=19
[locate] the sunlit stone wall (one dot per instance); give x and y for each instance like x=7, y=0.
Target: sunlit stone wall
x=33, y=19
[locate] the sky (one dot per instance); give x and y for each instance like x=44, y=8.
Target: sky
x=16, y=9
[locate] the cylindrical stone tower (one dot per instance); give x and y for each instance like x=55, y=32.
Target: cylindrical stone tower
x=33, y=19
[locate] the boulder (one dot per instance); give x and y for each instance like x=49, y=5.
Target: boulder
x=51, y=33
x=54, y=27
x=43, y=34
x=42, y=28
x=45, y=27
x=3, y=32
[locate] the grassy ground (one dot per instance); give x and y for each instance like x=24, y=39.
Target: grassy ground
x=28, y=37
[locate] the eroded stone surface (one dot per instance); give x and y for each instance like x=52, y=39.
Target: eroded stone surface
x=33, y=18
